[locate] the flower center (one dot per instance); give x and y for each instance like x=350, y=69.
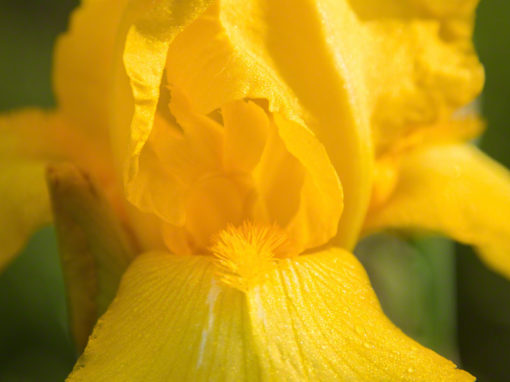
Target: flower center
x=246, y=252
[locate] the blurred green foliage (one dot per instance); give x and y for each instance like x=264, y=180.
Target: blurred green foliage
x=34, y=342
x=483, y=296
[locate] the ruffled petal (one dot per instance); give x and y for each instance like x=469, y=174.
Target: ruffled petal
x=417, y=66
x=419, y=60
x=313, y=317
x=455, y=190
x=301, y=63
x=155, y=26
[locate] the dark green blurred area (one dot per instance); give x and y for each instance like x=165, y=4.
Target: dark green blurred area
x=483, y=296
x=34, y=344
x=34, y=341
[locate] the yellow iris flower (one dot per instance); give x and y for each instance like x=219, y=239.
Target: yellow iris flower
x=240, y=148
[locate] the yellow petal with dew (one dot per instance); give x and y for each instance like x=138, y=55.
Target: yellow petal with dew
x=145, y=54
x=301, y=62
x=313, y=317
x=316, y=317
x=456, y=190
x=83, y=68
x=419, y=60
x=94, y=247
x=171, y=321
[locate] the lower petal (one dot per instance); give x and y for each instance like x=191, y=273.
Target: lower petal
x=455, y=190
x=314, y=317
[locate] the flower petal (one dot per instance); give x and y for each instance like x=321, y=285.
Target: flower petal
x=437, y=71
x=313, y=317
x=24, y=206
x=22, y=163
x=317, y=318
x=302, y=63
x=83, y=67
x=145, y=53
x=24, y=199
x=321, y=200
x=171, y=321
x=455, y=190
x=246, y=134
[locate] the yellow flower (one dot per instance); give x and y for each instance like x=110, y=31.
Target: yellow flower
x=236, y=141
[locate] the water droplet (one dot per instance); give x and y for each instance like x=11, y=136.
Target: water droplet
x=410, y=370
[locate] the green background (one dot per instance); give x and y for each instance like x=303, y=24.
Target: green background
x=34, y=342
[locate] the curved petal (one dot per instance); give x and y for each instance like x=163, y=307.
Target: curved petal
x=84, y=64
x=171, y=321
x=321, y=199
x=455, y=190
x=24, y=205
x=156, y=25
x=313, y=317
x=47, y=131
x=303, y=63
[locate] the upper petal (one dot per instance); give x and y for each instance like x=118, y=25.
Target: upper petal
x=456, y=190
x=419, y=61
x=313, y=317
x=303, y=62
x=83, y=66
x=155, y=26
